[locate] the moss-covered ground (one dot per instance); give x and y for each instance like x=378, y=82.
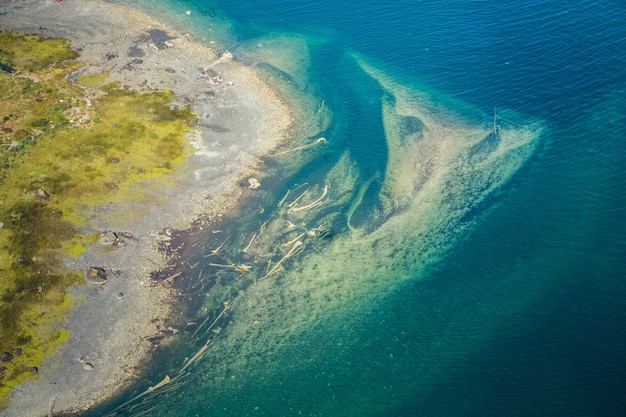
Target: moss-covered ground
x=64, y=151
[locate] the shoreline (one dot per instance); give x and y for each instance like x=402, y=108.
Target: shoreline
x=240, y=118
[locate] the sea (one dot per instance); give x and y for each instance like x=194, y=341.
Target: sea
x=454, y=246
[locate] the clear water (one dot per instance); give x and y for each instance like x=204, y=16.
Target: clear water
x=449, y=273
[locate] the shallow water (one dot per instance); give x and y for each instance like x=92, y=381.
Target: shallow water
x=445, y=271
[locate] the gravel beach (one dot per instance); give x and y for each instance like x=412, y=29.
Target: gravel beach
x=240, y=118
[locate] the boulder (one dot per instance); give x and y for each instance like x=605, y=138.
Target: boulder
x=96, y=275
x=253, y=183
x=42, y=194
x=214, y=77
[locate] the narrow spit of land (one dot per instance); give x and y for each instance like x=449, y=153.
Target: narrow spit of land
x=115, y=130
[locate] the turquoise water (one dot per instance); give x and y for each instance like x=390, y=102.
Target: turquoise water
x=440, y=270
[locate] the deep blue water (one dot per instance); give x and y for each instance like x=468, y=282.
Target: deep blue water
x=525, y=315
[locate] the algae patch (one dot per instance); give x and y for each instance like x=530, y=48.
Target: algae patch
x=65, y=152
x=92, y=79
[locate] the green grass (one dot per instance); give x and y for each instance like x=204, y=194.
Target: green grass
x=92, y=79
x=33, y=53
x=83, y=156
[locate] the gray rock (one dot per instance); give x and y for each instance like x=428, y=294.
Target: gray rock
x=214, y=77
x=5, y=357
x=108, y=238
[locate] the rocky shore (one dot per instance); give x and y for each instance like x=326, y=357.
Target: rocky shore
x=121, y=312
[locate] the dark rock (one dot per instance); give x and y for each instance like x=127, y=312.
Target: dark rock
x=5, y=357
x=170, y=70
x=17, y=351
x=157, y=35
x=96, y=275
x=57, y=213
x=110, y=56
x=21, y=260
x=214, y=127
x=136, y=52
x=42, y=194
x=137, y=61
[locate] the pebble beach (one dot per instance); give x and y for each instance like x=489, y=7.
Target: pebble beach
x=115, y=327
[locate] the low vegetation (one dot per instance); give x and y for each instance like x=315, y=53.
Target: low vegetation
x=92, y=79
x=64, y=151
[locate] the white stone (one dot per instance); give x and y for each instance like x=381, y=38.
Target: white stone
x=253, y=183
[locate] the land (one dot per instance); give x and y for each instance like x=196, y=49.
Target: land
x=111, y=140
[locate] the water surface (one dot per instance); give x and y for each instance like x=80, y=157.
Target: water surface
x=445, y=273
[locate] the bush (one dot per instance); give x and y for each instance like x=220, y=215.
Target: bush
x=41, y=122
